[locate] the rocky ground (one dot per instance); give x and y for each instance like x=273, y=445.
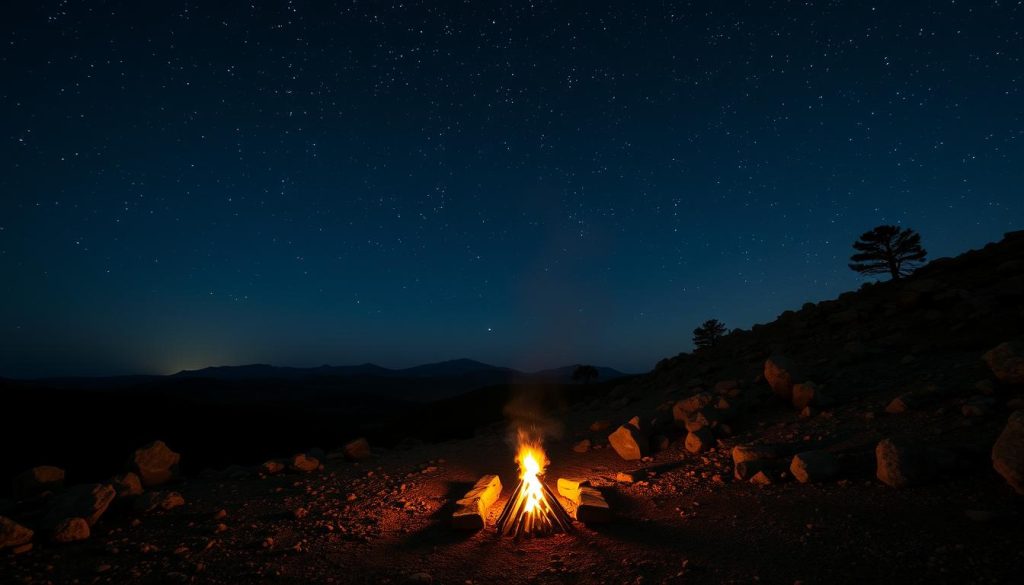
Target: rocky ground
x=875, y=438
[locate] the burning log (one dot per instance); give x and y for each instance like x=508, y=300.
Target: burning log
x=533, y=509
x=471, y=513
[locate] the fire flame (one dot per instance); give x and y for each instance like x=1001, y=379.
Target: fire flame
x=531, y=460
x=532, y=509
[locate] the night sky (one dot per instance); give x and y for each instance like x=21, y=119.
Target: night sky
x=532, y=185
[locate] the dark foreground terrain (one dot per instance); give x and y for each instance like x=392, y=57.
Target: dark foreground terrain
x=887, y=387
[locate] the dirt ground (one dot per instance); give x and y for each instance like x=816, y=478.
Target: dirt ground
x=685, y=521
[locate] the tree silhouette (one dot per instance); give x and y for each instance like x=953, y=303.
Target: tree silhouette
x=888, y=248
x=585, y=374
x=708, y=333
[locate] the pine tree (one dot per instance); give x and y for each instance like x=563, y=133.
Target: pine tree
x=708, y=333
x=888, y=248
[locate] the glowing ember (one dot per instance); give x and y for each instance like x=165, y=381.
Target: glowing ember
x=532, y=509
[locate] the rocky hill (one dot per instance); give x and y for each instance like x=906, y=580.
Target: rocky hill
x=877, y=437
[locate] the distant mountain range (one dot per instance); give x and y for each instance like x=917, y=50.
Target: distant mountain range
x=447, y=369
x=370, y=381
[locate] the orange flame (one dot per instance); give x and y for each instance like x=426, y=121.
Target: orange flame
x=532, y=461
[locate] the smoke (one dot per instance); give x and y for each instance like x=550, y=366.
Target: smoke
x=528, y=415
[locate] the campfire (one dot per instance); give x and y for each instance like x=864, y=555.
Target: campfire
x=533, y=509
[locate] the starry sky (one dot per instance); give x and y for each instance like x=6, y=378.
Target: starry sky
x=531, y=184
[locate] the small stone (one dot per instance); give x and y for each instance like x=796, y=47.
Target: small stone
x=582, y=446
x=699, y=441
x=127, y=485
x=760, y=478
x=71, y=530
x=13, y=534
x=303, y=463
x=599, y=425
x=781, y=375
x=155, y=463
x=1006, y=361
x=898, y=466
x=357, y=450
x=900, y=404
x=813, y=466
x=1008, y=452
x=624, y=477
x=272, y=467
x=805, y=394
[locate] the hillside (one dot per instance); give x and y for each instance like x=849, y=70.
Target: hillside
x=850, y=441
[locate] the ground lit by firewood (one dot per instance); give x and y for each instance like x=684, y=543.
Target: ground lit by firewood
x=680, y=519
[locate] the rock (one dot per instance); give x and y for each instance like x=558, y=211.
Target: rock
x=12, y=534
x=761, y=478
x=159, y=500
x=624, y=477
x=599, y=425
x=582, y=446
x=1008, y=452
x=900, y=404
x=697, y=421
x=127, y=485
x=71, y=530
x=899, y=466
x=471, y=511
x=628, y=441
x=807, y=412
x=36, y=481
x=805, y=394
x=357, y=450
x=155, y=463
x=303, y=463
x=1006, y=361
x=688, y=406
x=781, y=375
x=699, y=441
x=749, y=459
x=727, y=387
x=813, y=466
x=272, y=467
x=87, y=501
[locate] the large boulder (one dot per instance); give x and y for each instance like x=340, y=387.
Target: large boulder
x=812, y=466
x=1006, y=361
x=1008, y=452
x=357, y=450
x=781, y=374
x=71, y=530
x=87, y=501
x=899, y=465
x=155, y=463
x=13, y=534
x=37, y=480
x=628, y=441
